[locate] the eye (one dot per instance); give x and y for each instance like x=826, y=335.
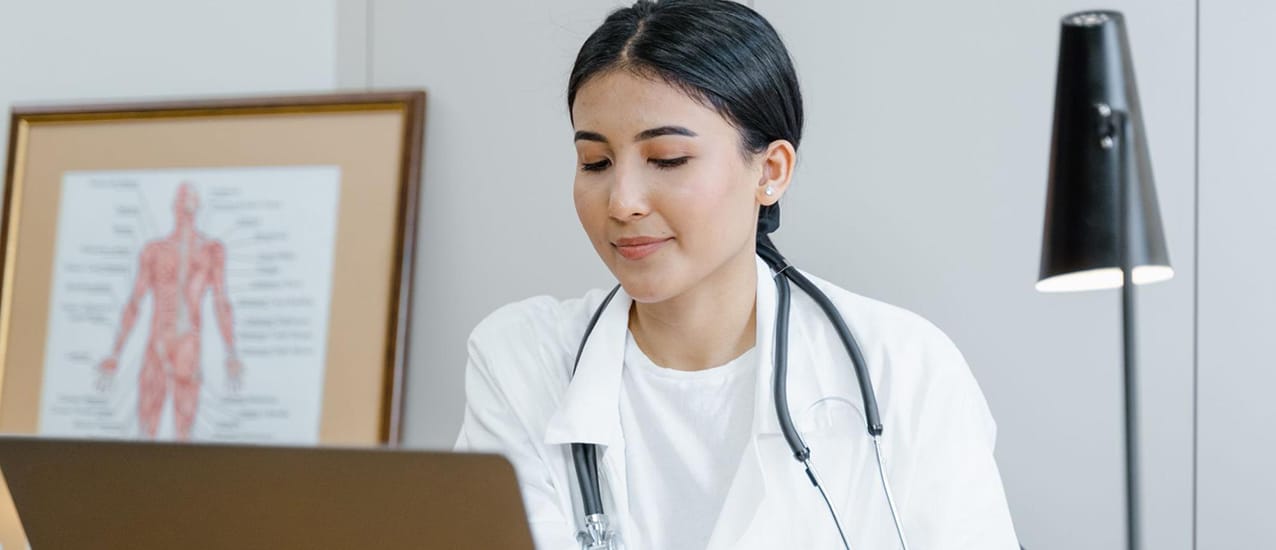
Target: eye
x=665, y=164
x=596, y=166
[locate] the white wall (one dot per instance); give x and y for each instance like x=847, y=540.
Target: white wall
x=1237, y=377
x=925, y=157
x=70, y=51
x=497, y=222
x=925, y=160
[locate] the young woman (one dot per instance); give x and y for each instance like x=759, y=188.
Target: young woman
x=687, y=118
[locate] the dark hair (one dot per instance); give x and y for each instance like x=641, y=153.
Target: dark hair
x=719, y=52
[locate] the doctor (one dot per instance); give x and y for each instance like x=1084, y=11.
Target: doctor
x=687, y=118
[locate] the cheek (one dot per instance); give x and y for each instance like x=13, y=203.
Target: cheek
x=713, y=208
x=591, y=207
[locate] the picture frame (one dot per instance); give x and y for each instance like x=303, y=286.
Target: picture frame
x=231, y=269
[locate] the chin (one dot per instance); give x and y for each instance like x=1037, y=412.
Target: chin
x=646, y=297
x=644, y=290
x=653, y=286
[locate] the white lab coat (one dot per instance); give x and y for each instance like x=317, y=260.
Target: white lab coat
x=938, y=439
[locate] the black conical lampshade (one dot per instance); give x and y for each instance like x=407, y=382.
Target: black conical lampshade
x=1079, y=249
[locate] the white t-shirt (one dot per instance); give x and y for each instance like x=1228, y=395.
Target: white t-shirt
x=684, y=435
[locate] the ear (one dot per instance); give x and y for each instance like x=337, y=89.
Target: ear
x=775, y=165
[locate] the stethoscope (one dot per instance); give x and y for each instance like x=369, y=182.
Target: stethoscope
x=597, y=533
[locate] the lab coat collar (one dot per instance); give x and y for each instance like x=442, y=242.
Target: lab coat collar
x=590, y=411
x=764, y=421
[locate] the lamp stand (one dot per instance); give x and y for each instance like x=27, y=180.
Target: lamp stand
x=1116, y=130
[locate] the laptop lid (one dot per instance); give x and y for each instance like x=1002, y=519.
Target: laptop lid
x=152, y=496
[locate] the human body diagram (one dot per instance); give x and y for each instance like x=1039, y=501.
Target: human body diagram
x=177, y=271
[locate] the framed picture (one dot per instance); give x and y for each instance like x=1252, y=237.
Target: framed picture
x=226, y=270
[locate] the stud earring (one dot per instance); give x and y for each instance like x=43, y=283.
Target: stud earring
x=770, y=190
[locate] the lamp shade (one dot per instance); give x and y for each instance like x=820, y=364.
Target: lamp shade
x=1080, y=243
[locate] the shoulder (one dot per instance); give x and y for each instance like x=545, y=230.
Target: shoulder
x=536, y=320
x=912, y=362
x=519, y=366
x=152, y=249
x=213, y=247
x=532, y=341
x=885, y=325
x=924, y=384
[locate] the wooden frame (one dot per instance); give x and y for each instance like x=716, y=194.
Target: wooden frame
x=372, y=141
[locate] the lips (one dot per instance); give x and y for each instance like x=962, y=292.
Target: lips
x=637, y=248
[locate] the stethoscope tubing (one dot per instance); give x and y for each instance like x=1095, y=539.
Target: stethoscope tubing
x=585, y=455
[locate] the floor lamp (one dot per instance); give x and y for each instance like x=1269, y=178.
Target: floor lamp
x=1102, y=222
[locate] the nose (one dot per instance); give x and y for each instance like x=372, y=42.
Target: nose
x=628, y=200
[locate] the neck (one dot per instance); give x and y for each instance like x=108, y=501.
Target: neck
x=708, y=325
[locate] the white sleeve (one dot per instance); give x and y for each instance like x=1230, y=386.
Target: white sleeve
x=492, y=424
x=955, y=499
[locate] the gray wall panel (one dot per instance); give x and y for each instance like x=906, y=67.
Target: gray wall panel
x=1237, y=440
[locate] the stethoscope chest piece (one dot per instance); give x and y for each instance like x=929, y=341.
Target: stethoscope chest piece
x=598, y=534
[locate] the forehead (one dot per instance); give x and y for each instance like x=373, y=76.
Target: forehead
x=623, y=101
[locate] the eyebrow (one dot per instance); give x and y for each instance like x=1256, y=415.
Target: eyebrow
x=645, y=134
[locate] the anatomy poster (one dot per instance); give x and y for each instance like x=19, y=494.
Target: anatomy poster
x=191, y=304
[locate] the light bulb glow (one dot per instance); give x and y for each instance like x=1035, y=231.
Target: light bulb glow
x=1104, y=278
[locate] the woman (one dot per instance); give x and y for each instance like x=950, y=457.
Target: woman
x=687, y=118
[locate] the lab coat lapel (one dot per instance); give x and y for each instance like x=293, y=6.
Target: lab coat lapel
x=590, y=408
x=810, y=374
x=749, y=486
x=767, y=455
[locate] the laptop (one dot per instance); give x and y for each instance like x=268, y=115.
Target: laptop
x=153, y=496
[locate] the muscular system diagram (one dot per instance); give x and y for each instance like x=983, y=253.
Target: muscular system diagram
x=176, y=271
x=191, y=304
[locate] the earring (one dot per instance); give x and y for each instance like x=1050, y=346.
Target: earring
x=770, y=190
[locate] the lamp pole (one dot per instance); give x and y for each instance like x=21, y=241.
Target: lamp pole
x=1116, y=132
